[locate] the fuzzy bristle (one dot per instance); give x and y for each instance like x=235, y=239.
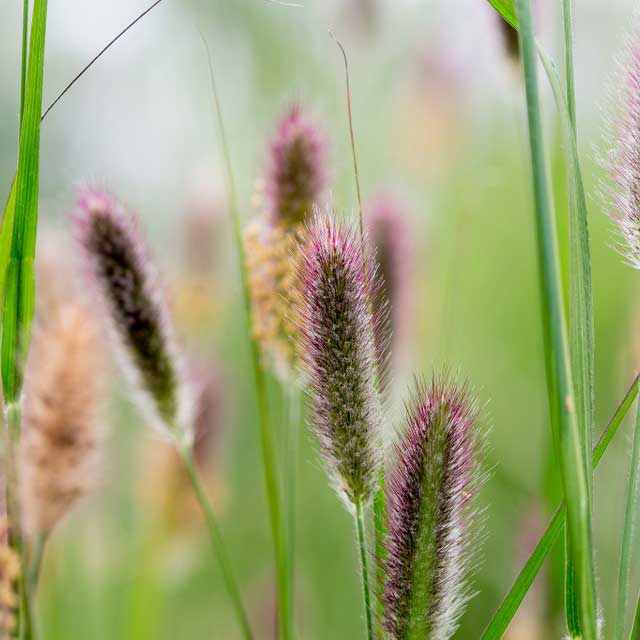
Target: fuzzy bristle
x=62, y=430
x=296, y=173
x=430, y=492
x=126, y=282
x=338, y=351
x=623, y=161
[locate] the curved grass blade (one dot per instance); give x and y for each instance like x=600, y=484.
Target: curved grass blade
x=20, y=292
x=507, y=9
x=510, y=605
x=630, y=533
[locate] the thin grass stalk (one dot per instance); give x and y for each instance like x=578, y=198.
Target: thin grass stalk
x=559, y=378
x=630, y=532
x=512, y=601
x=266, y=440
x=364, y=567
x=217, y=542
x=291, y=472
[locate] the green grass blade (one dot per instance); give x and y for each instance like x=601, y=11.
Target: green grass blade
x=635, y=632
x=581, y=300
x=507, y=9
x=510, y=605
x=6, y=236
x=23, y=64
x=20, y=286
x=630, y=533
x=559, y=378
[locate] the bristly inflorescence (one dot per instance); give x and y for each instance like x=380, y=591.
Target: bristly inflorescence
x=62, y=424
x=338, y=351
x=623, y=162
x=296, y=173
x=126, y=282
x=294, y=182
x=430, y=492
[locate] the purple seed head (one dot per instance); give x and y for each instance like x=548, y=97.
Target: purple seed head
x=126, y=283
x=388, y=236
x=623, y=162
x=430, y=491
x=296, y=173
x=338, y=353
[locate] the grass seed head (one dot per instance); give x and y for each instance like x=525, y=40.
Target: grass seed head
x=338, y=351
x=124, y=278
x=296, y=173
x=62, y=429
x=430, y=492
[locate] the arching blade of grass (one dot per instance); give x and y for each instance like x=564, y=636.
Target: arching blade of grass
x=629, y=533
x=510, y=605
x=562, y=399
x=506, y=8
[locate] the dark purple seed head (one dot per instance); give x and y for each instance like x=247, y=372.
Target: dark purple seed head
x=338, y=352
x=296, y=173
x=124, y=278
x=430, y=491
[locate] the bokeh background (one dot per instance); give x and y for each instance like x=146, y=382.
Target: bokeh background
x=438, y=108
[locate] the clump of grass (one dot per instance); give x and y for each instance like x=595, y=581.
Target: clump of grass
x=431, y=490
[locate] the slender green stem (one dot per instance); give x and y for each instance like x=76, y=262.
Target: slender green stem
x=380, y=532
x=629, y=536
x=217, y=542
x=559, y=378
x=23, y=67
x=291, y=468
x=512, y=601
x=364, y=568
x=266, y=440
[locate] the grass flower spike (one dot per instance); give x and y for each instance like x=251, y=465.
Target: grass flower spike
x=337, y=344
x=294, y=181
x=430, y=494
x=127, y=284
x=296, y=173
x=62, y=429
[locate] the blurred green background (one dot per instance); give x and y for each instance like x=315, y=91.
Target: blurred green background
x=439, y=120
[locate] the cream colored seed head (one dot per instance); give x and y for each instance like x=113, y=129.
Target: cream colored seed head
x=272, y=263
x=62, y=433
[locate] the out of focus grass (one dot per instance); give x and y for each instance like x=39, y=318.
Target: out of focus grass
x=141, y=123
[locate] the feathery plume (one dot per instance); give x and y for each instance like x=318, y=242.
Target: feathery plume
x=126, y=282
x=296, y=172
x=338, y=351
x=623, y=191
x=430, y=490
x=62, y=431
x=295, y=178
